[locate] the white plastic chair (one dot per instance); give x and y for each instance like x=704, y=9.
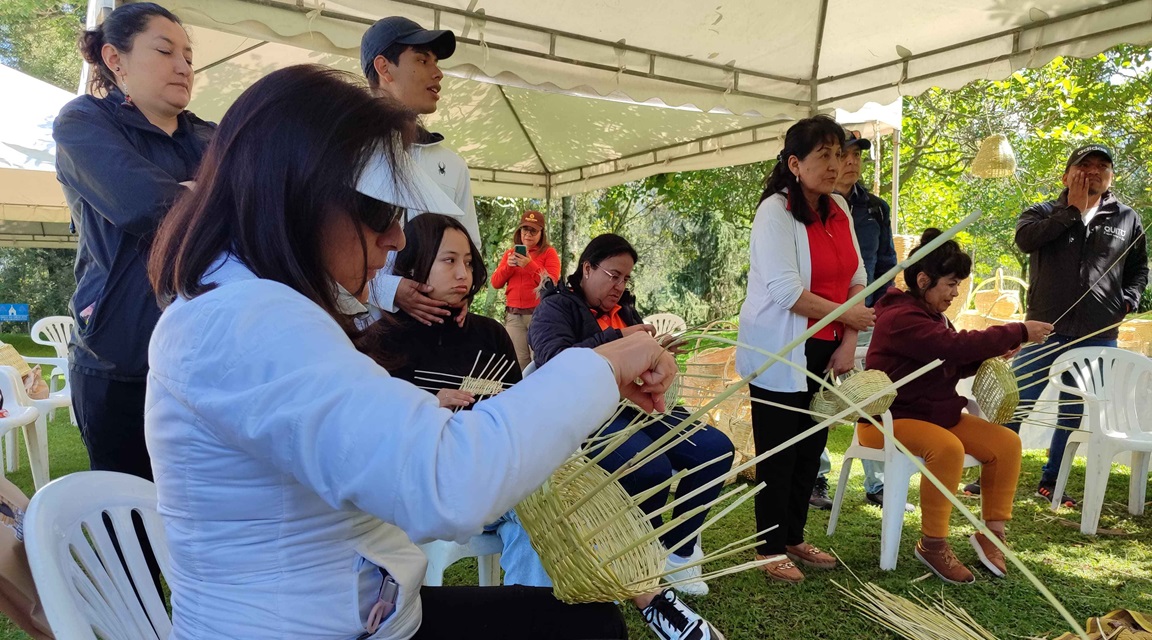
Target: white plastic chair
x=36, y=438
x=898, y=472
x=485, y=547
x=1108, y=381
x=86, y=590
x=55, y=332
x=19, y=416
x=667, y=323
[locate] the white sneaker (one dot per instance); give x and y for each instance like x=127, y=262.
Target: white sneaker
x=693, y=587
x=670, y=619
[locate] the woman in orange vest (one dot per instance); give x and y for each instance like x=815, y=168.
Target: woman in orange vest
x=523, y=268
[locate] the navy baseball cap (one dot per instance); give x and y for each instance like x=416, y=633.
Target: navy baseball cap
x=853, y=138
x=1083, y=152
x=398, y=30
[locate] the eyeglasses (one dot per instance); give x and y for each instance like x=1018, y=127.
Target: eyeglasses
x=616, y=278
x=529, y=230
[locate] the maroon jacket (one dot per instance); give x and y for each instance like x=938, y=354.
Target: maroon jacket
x=907, y=336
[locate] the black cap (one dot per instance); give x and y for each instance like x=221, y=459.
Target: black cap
x=1083, y=152
x=398, y=30
x=853, y=138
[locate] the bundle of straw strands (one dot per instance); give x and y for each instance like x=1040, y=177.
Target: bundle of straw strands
x=914, y=619
x=482, y=381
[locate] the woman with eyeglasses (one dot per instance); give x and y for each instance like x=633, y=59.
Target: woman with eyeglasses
x=594, y=307
x=530, y=263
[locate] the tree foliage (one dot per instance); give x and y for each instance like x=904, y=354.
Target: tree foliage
x=38, y=37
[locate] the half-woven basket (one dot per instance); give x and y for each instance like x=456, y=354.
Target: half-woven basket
x=857, y=386
x=996, y=390
x=12, y=358
x=573, y=548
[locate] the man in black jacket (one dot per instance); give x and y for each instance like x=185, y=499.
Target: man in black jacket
x=1088, y=266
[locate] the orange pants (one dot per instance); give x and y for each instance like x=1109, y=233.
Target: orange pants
x=996, y=447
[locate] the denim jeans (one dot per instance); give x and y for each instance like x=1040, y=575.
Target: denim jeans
x=873, y=472
x=1035, y=367
x=519, y=560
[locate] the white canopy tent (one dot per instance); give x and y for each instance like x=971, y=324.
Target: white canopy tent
x=32, y=208
x=549, y=98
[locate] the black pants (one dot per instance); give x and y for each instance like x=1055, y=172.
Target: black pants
x=514, y=613
x=111, y=418
x=789, y=474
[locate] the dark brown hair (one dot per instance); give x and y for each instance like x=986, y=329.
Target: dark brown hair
x=946, y=260
x=802, y=138
x=601, y=248
x=283, y=162
x=118, y=30
x=391, y=54
x=423, y=235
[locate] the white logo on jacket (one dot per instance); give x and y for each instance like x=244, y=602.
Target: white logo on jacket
x=1116, y=232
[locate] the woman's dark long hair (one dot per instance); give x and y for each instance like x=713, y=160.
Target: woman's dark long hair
x=283, y=163
x=802, y=138
x=601, y=248
x=422, y=242
x=118, y=30
x=947, y=259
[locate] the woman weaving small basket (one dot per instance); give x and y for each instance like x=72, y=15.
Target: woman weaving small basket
x=911, y=330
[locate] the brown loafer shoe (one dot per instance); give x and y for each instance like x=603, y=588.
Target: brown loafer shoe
x=990, y=555
x=782, y=570
x=938, y=556
x=808, y=555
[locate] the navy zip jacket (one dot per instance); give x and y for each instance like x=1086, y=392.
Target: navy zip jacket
x=1067, y=259
x=872, y=221
x=120, y=175
x=563, y=319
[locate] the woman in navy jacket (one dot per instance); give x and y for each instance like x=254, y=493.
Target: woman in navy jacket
x=595, y=307
x=123, y=159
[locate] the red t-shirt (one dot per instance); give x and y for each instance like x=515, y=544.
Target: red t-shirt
x=834, y=262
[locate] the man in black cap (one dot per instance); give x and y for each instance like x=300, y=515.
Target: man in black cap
x=401, y=60
x=1088, y=266
x=872, y=221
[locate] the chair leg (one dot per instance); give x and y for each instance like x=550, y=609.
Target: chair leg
x=1065, y=470
x=897, y=474
x=1095, y=486
x=11, y=453
x=489, y=569
x=834, y=517
x=36, y=438
x=1138, y=484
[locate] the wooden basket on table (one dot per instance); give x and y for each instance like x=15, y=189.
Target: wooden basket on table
x=857, y=386
x=996, y=390
x=574, y=548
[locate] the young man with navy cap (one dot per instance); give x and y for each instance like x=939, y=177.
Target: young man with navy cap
x=1088, y=266
x=401, y=60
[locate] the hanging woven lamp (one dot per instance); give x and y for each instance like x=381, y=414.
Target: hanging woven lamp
x=994, y=159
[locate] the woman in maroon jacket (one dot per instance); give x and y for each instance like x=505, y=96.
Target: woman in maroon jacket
x=911, y=330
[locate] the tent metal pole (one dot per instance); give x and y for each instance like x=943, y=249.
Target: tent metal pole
x=895, y=180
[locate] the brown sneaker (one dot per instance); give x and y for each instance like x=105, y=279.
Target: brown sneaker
x=806, y=554
x=990, y=555
x=938, y=556
x=781, y=569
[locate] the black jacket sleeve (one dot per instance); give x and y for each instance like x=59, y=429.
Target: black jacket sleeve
x=1044, y=223
x=94, y=157
x=886, y=254
x=556, y=326
x=1136, y=266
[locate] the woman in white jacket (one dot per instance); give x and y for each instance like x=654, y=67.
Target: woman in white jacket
x=293, y=473
x=805, y=262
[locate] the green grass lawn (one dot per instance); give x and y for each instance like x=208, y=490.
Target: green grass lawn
x=1091, y=576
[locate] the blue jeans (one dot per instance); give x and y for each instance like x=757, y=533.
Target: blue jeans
x=873, y=472
x=1030, y=372
x=518, y=558
x=702, y=446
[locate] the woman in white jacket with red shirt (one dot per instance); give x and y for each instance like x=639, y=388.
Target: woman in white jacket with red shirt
x=805, y=262
x=293, y=473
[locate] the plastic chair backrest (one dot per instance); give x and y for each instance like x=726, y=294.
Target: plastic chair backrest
x=54, y=331
x=86, y=590
x=1116, y=378
x=666, y=323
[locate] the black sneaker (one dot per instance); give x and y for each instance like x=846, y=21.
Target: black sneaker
x=1046, y=489
x=878, y=500
x=819, y=499
x=670, y=619
x=972, y=490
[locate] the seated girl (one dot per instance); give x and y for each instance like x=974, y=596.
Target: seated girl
x=593, y=308
x=912, y=330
